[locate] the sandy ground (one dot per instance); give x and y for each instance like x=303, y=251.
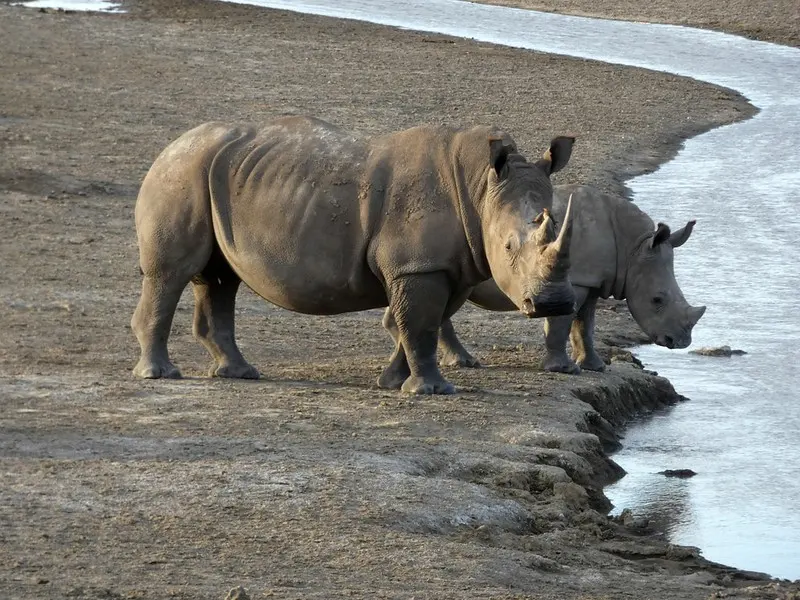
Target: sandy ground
x=310, y=483
x=776, y=21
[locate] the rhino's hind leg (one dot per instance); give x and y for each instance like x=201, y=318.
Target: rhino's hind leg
x=215, y=303
x=582, y=338
x=151, y=323
x=453, y=353
x=395, y=374
x=418, y=304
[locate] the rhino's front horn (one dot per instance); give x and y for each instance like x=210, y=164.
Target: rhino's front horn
x=561, y=245
x=695, y=312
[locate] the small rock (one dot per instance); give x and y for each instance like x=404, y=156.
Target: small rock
x=725, y=351
x=682, y=552
x=630, y=520
x=237, y=593
x=679, y=473
x=540, y=563
x=622, y=355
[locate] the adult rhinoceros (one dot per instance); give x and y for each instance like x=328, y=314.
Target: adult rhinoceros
x=319, y=221
x=615, y=251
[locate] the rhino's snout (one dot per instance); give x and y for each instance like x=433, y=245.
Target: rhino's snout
x=536, y=308
x=674, y=343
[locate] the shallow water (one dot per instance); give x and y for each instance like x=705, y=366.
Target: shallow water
x=90, y=5
x=741, y=430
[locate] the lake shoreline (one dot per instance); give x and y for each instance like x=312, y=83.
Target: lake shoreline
x=311, y=481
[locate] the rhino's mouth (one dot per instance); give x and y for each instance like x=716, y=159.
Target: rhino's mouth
x=673, y=343
x=538, y=310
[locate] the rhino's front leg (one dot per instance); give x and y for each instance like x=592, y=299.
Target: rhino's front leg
x=418, y=304
x=582, y=337
x=453, y=353
x=556, y=334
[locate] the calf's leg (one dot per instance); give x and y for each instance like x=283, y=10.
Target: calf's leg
x=556, y=334
x=582, y=337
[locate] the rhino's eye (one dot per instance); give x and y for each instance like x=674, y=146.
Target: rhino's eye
x=658, y=300
x=508, y=246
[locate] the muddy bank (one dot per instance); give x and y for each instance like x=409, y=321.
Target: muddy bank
x=776, y=21
x=310, y=482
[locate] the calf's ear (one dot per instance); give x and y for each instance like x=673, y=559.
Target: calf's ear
x=679, y=237
x=498, y=156
x=557, y=155
x=662, y=235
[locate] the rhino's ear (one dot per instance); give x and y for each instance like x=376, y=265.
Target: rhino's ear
x=557, y=155
x=679, y=237
x=498, y=155
x=662, y=235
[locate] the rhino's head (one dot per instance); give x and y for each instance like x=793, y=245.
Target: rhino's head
x=529, y=262
x=654, y=297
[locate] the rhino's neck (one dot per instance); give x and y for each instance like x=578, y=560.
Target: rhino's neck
x=470, y=175
x=631, y=228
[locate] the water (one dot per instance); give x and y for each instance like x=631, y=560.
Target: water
x=91, y=5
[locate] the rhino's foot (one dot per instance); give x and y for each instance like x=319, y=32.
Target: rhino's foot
x=234, y=371
x=465, y=359
x=156, y=370
x=561, y=365
x=592, y=362
x=392, y=379
x=421, y=385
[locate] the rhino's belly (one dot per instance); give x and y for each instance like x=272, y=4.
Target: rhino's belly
x=314, y=293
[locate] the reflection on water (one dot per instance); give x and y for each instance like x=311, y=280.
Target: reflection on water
x=741, y=430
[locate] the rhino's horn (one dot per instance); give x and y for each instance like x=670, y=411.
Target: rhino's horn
x=561, y=245
x=695, y=312
x=678, y=238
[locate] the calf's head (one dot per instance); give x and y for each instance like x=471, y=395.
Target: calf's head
x=528, y=260
x=654, y=297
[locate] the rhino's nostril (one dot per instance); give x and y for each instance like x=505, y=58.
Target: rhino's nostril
x=669, y=342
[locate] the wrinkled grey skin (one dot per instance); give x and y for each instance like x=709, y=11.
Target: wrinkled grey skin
x=615, y=251
x=321, y=222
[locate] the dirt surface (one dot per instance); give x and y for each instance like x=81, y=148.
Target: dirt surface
x=310, y=483
x=776, y=21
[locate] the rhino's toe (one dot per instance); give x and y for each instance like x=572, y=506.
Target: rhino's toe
x=420, y=386
x=460, y=360
x=392, y=379
x=562, y=366
x=235, y=371
x=596, y=365
x=156, y=370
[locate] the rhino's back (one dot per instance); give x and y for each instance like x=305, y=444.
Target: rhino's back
x=293, y=215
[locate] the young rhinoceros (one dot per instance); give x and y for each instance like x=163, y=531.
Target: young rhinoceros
x=322, y=222
x=615, y=251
